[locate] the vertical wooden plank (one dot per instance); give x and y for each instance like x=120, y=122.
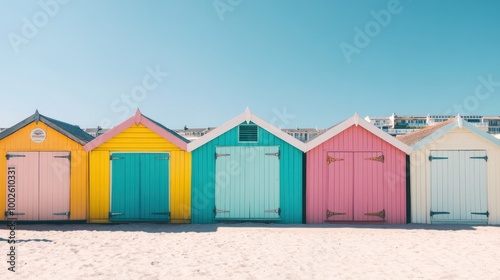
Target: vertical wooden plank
x=27, y=191
x=154, y=186
x=125, y=186
x=267, y=191
x=476, y=186
x=368, y=187
x=230, y=192
x=444, y=186
x=339, y=197
x=54, y=185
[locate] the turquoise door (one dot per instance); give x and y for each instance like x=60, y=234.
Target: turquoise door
x=247, y=183
x=139, y=187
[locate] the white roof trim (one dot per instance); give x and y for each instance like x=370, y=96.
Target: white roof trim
x=356, y=120
x=460, y=123
x=247, y=117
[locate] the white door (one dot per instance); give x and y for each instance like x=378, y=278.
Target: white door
x=458, y=186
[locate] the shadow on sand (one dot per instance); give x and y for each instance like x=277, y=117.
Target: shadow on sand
x=206, y=228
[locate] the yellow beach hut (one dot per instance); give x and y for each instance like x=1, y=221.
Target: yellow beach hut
x=139, y=171
x=45, y=170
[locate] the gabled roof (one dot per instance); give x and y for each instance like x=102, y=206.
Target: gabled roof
x=414, y=137
x=357, y=121
x=73, y=132
x=137, y=119
x=247, y=117
x=421, y=138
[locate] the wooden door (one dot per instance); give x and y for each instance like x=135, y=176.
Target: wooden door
x=458, y=188
x=247, y=184
x=356, y=188
x=264, y=171
x=139, y=187
x=154, y=186
x=369, y=204
x=54, y=186
x=339, y=196
x=25, y=165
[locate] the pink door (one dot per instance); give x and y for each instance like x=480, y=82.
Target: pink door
x=54, y=186
x=368, y=186
x=41, y=185
x=355, y=186
x=339, y=195
x=22, y=182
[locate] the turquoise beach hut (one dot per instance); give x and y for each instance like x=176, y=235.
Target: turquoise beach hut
x=247, y=170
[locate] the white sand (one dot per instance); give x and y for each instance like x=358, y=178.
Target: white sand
x=253, y=251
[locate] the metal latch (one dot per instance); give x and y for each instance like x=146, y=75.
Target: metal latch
x=274, y=154
x=10, y=213
x=485, y=158
x=277, y=211
x=61, y=214
x=487, y=214
x=431, y=158
x=112, y=214
x=221, y=155
x=68, y=157
x=9, y=156
x=439, y=213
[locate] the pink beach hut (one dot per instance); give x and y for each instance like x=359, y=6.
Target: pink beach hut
x=356, y=172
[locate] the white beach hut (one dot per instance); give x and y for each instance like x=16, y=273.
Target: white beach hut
x=454, y=174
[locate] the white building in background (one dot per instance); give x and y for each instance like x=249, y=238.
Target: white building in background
x=400, y=125
x=193, y=133
x=302, y=134
x=393, y=124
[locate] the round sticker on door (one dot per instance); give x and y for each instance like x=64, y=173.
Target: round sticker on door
x=38, y=135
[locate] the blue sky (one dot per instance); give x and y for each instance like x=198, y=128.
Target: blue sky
x=200, y=63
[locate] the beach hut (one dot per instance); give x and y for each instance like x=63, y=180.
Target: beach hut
x=45, y=170
x=356, y=173
x=247, y=170
x=455, y=174
x=139, y=171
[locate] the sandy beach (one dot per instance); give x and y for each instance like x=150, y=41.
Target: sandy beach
x=253, y=251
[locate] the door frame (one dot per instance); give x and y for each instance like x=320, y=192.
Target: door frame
x=354, y=173
x=263, y=149
x=458, y=189
x=138, y=152
x=38, y=179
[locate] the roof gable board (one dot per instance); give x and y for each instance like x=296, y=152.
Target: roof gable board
x=457, y=122
x=247, y=117
x=137, y=119
x=73, y=132
x=357, y=121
